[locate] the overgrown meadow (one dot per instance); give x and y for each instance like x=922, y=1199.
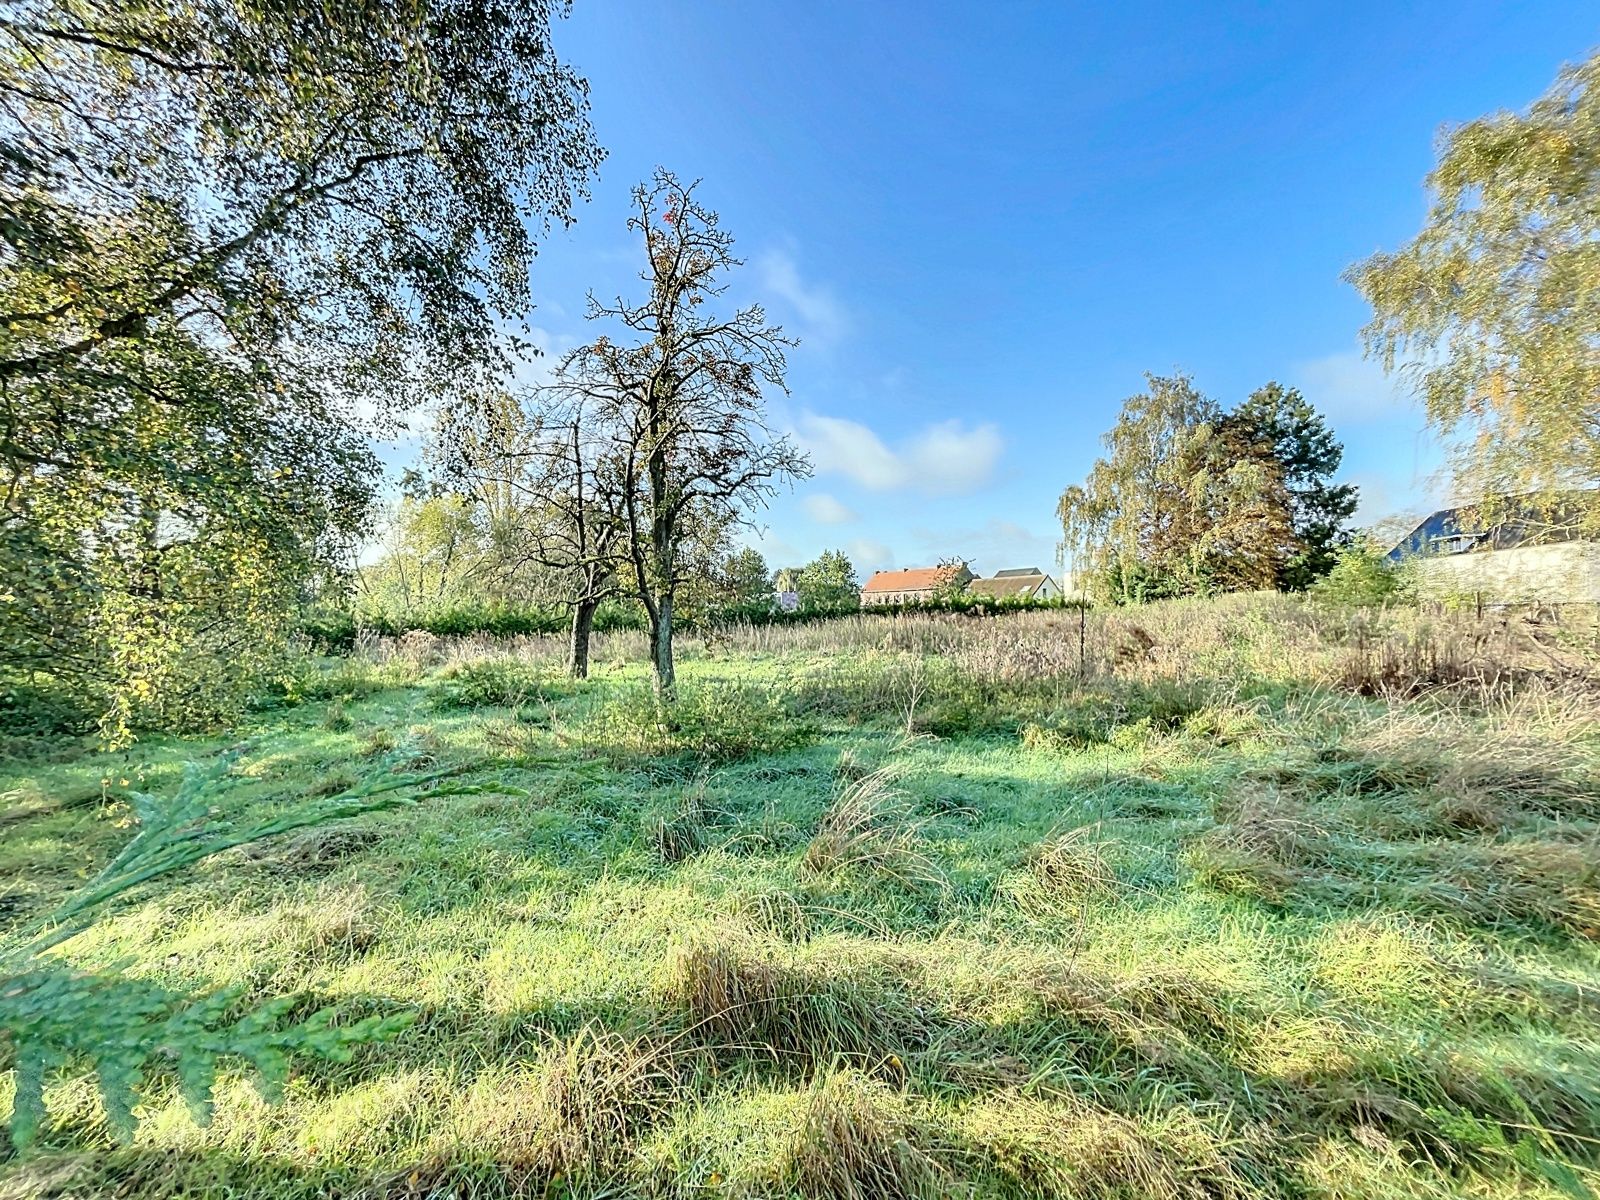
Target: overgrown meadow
x=1237, y=898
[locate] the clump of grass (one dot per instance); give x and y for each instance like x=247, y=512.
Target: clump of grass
x=850, y=767
x=1072, y=867
x=1261, y=847
x=492, y=683
x=316, y=850
x=1378, y=961
x=1069, y=1149
x=331, y=784
x=1129, y=714
x=749, y=1000
x=337, y=718
x=571, y=1122
x=344, y=679
x=870, y=827
x=859, y=1141
x=339, y=923
x=1156, y=1012
x=681, y=832
x=1416, y=661
x=520, y=734
x=597, y=1091
x=1536, y=880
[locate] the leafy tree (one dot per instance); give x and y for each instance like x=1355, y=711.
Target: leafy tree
x=226, y=230
x=1282, y=423
x=747, y=578
x=1493, y=310
x=956, y=576
x=681, y=399
x=1180, y=504
x=828, y=581
x=434, y=554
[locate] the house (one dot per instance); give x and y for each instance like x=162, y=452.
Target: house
x=1026, y=582
x=786, y=589
x=1528, y=553
x=913, y=586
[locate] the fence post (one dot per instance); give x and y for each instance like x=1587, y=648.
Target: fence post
x=1083, y=628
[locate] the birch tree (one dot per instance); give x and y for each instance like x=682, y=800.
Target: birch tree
x=1493, y=310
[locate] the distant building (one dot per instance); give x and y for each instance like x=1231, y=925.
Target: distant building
x=786, y=589
x=1026, y=582
x=1528, y=553
x=917, y=584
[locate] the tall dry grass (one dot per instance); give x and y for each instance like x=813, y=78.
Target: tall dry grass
x=1394, y=652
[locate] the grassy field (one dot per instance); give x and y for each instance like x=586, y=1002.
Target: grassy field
x=1240, y=899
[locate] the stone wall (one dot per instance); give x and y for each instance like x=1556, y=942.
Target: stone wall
x=1563, y=573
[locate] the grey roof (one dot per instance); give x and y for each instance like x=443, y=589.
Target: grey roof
x=1014, y=571
x=1519, y=521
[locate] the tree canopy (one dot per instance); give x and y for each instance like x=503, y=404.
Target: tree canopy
x=234, y=236
x=1493, y=310
x=828, y=581
x=1192, y=499
x=746, y=577
x=1281, y=422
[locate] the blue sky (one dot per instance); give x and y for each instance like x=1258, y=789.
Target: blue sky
x=985, y=222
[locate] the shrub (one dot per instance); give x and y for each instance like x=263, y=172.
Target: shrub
x=301, y=677
x=714, y=723
x=45, y=706
x=1363, y=575
x=493, y=683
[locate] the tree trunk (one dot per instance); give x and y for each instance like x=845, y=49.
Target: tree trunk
x=661, y=650
x=578, y=649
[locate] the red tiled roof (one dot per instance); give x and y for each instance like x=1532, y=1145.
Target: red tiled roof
x=916, y=580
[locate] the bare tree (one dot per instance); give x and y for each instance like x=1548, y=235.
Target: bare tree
x=550, y=472
x=681, y=400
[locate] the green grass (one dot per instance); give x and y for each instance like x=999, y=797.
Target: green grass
x=869, y=923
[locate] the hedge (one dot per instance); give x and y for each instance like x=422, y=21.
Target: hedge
x=336, y=631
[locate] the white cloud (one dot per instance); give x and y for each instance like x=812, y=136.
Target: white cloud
x=827, y=510
x=958, y=459
x=942, y=460
x=822, y=319
x=1350, y=389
